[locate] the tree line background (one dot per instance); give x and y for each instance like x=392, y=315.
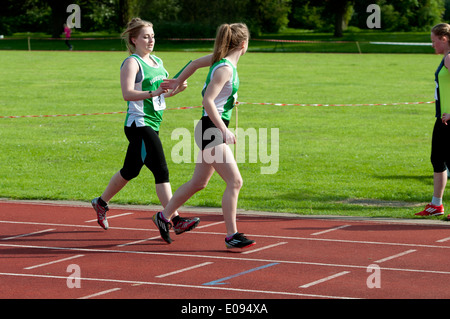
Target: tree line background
x=200, y=18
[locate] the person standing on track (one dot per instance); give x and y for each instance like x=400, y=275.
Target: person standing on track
x=143, y=80
x=212, y=134
x=440, y=145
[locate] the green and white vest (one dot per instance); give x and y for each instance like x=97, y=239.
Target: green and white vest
x=146, y=112
x=227, y=98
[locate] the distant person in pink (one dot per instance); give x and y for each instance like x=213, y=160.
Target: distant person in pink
x=67, y=32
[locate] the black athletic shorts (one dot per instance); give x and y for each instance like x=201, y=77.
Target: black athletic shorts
x=207, y=135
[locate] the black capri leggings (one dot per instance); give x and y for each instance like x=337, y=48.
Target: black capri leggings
x=440, y=147
x=145, y=148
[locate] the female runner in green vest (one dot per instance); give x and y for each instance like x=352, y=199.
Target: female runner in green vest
x=144, y=82
x=440, y=145
x=212, y=134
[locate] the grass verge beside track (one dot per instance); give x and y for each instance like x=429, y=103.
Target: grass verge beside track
x=340, y=160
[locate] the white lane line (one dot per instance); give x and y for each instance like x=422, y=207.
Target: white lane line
x=443, y=240
x=29, y=234
x=100, y=293
x=331, y=229
x=208, y=225
x=396, y=256
x=53, y=262
x=262, y=248
x=138, y=241
x=77, y=226
x=324, y=279
x=183, y=270
x=109, y=217
x=173, y=254
x=364, y=242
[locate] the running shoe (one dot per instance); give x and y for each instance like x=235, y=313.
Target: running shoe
x=101, y=213
x=185, y=224
x=163, y=227
x=431, y=210
x=238, y=240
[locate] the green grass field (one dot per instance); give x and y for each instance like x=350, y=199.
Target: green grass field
x=341, y=160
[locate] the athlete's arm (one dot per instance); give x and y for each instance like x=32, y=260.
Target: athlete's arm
x=180, y=84
x=446, y=117
x=221, y=76
x=127, y=77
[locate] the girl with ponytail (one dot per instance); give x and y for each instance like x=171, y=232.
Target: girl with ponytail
x=212, y=134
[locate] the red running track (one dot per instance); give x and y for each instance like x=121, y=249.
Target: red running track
x=47, y=248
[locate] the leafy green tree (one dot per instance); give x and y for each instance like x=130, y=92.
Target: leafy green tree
x=270, y=15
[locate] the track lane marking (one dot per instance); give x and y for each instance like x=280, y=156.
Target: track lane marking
x=223, y=257
x=220, y=281
x=209, y=225
x=138, y=241
x=100, y=293
x=396, y=256
x=443, y=240
x=228, y=289
x=253, y=235
x=53, y=262
x=29, y=234
x=324, y=279
x=184, y=269
x=109, y=217
x=263, y=248
x=330, y=230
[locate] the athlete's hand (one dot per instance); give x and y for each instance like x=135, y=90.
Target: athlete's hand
x=180, y=88
x=160, y=90
x=169, y=84
x=445, y=118
x=229, y=137
x=173, y=86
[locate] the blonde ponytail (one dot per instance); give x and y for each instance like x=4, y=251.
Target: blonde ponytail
x=228, y=38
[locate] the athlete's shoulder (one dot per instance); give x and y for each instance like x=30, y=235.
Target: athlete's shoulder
x=223, y=69
x=130, y=61
x=447, y=61
x=220, y=63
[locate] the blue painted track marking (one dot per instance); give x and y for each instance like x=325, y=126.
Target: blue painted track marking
x=220, y=281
